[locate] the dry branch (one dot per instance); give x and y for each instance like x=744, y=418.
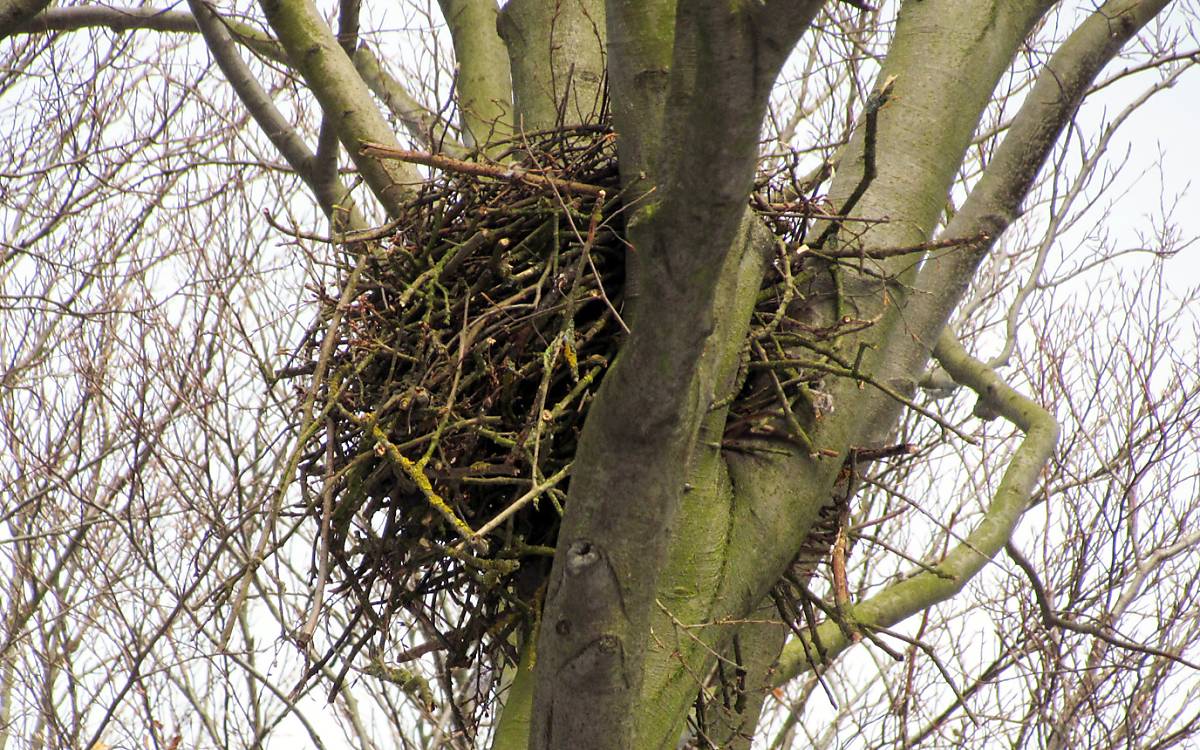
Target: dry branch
x=480, y=169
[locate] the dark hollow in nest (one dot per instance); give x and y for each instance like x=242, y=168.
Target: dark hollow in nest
x=469, y=346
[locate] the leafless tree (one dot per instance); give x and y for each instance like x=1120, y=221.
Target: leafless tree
x=897, y=448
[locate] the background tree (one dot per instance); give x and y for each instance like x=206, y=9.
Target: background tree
x=815, y=199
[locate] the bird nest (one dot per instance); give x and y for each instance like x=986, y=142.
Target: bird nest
x=460, y=357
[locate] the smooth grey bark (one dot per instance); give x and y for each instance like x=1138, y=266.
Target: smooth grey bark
x=556, y=57
x=995, y=201
x=631, y=469
x=641, y=42
x=16, y=14
x=483, y=82
x=343, y=95
x=992, y=204
x=923, y=134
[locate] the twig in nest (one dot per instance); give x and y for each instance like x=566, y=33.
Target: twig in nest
x=534, y=492
x=814, y=652
x=847, y=370
x=511, y=173
x=877, y=453
x=837, y=566
x=416, y=473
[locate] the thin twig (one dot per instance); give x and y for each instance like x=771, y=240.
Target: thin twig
x=1052, y=619
x=847, y=371
x=929, y=652
x=310, y=626
x=881, y=253
x=307, y=429
x=535, y=492
x=874, y=103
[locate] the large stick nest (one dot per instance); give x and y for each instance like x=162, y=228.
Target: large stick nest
x=466, y=347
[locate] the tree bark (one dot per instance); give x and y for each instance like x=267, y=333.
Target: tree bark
x=483, y=83
x=16, y=14
x=947, y=58
x=556, y=57
x=631, y=469
x=343, y=95
x=993, y=202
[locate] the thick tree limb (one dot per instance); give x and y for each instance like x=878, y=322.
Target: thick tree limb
x=994, y=202
x=512, y=726
x=556, y=56
x=945, y=71
x=641, y=42
x=631, y=469
x=15, y=14
x=699, y=552
x=483, y=83
x=344, y=97
x=960, y=565
x=325, y=161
